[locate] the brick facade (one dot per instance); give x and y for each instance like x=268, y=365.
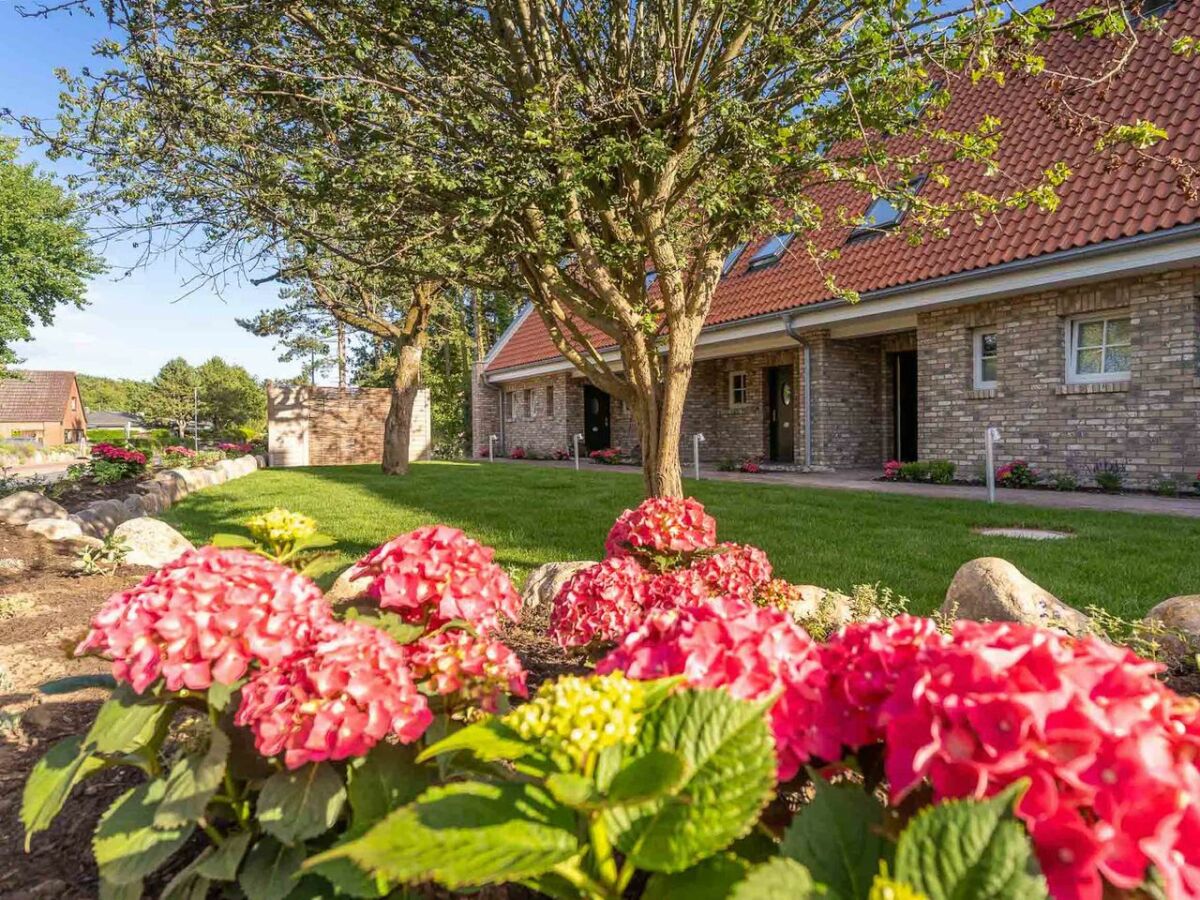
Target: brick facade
x=1150, y=423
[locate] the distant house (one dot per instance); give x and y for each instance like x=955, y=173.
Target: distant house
x=43, y=407
x=106, y=420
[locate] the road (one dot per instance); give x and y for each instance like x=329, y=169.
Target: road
x=46, y=471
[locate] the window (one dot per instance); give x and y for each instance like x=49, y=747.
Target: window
x=882, y=213
x=529, y=403
x=651, y=277
x=738, y=389
x=1098, y=348
x=73, y=407
x=734, y=255
x=549, y=399
x=771, y=251
x=986, y=356
x=510, y=403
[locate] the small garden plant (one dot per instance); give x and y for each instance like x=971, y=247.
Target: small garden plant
x=1017, y=474
x=110, y=464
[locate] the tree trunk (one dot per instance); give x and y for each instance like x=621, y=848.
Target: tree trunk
x=398, y=427
x=341, y=354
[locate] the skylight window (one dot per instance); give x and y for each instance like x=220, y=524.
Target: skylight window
x=883, y=213
x=771, y=251
x=734, y=255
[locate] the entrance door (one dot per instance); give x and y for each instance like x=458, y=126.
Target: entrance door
x=904, y=438
x=597, y=433
x=781, y=414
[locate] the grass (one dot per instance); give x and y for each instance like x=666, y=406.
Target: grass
x=1122, y=562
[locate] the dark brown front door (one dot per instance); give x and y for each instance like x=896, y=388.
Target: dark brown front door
x=904, y=440
x=781, y=414
x=597, y=432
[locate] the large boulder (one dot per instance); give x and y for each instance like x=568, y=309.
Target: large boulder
x=993, y=589
x=151, y=542
x=24, y=506
x=55, y=529
x=821, y=609
x=173, y=484
x=543, y=585
x=346, y=589
x=1180, y=616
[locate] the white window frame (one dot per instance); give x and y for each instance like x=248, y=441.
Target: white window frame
x=734, y=403
x=980, y=383
x=1101, y=377
x=528, y=397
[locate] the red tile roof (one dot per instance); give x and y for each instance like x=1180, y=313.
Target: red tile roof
x=1101, y=202
x=32, y=396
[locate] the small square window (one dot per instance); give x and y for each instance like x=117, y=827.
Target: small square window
x=739, y=394
x=883, y=213
x=1099, y=348
x=986, y=359
x=529, y=403
x=771, y=251
x=510, y=404
x=549, y=399
x=734, y=255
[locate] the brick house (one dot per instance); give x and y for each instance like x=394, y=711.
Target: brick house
x=1075, y=332
x=44, y=407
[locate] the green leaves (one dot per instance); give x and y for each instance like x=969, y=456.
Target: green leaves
x=838, y=837
x=192, y=782
x=488, y=741
x=127, y=722
x=645, y=777
x=466, y=834
x=386, y=778
x=127, y=845
x=963, y=850
x=778, y=877
x=298, y=804
x=51, y=781
x=270, y=870
x=728, y=761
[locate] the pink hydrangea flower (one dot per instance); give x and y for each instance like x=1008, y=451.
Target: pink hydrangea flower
x=662, y=526
x=734, y=570
x=207, y=617
x=600, y=603
x=474, y=669
x=751, y=651
x=349, y=692
x=437, y=574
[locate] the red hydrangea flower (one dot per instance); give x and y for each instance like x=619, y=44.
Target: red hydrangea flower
x=477, y=670
x=437, y=574
x=750, y=651
x=118, y=454
x=350, y=691
x=677, y=588
x=206, y=617
x=662, y=526
x=603, y=602
x=735, y=570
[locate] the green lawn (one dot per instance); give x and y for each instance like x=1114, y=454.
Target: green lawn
x=832, y=538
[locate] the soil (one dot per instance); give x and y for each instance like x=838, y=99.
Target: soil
x=75, y=495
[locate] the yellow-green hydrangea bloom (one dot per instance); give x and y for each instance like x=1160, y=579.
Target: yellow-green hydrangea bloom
x=884, y=888
x=281, y=527
x=575, y=718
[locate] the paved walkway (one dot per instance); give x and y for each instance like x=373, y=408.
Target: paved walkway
x=867, y=480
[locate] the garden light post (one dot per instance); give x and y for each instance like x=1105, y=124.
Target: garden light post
x=991, y=437
x=697, y=440
x=196, y=418
x=491, y=444
x=575, y=441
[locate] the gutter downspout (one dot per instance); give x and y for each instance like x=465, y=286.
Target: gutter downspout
x=799, y=339
x=486, y=382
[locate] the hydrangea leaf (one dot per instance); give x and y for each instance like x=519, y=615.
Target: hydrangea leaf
x=970, y=850
x=126, y=722
x=646, y=777
x=488, y=740
x=192, y=782
x=729, y=775
x=51, y=781
x=270, y=870
x=572, y=790
x=467, y=833
x=387, y=778
x=72, y=683
x=297, y=804
x=224, y=539
x=222, y=864
x=131, y=891
x=126, y=845
x=838, y=837
x=780, y=877
x=709, y=879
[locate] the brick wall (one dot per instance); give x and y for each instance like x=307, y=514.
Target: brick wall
x=1148, y=422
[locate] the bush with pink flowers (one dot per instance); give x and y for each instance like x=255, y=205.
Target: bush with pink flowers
x=109, y=464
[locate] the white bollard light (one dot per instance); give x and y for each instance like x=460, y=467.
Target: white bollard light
x=491, y=444
x=575, y=440
x=697, y=440
x=991, y=437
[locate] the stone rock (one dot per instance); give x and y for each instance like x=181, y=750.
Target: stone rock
x=99, y=519
x=151, y=542
x=821, y=604
x=173, y=483
x=55, y=529
x=134, y=504
x=226, y=469
x=260, y=461
x=346, y=589
x=11, y=566
x=1180, y=615
x=994, y=589
x=23, y=506
x=544, y=583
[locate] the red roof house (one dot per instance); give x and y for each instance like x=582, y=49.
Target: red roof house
x=41, y=406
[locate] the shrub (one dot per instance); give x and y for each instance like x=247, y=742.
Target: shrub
x=750, y=466
x=517, y=453
x=1017, y=474
x=560, y=454
x=1063, y=481
x=1109, y=475
x=931, y=471
x=1165, y=485
x=891, y=470
x=609, y=457
x=233, y=449
x=110, y=464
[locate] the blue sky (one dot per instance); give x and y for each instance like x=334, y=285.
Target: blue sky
x=133, y=323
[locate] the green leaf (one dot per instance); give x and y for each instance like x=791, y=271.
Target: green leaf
x=385, y=779
x=838, y=837
x=322, y=565
x=729, y=775
x=192, y=782
x=127, y=723
x=468, y=833
x=222, y=864
x=73, y=683
x=188, y=884
x=298, y=804
x=488, y=740
x=349, y=878
x=131, y=891
x=646, y=777
x=970, y=850
x=390, y=624
x=572, y=790
x=219, y=694
x=126, y=845
x=314, y=542
x=270, y=870
x=780, y=877
x=232, y=540
x=709, y=879
x=50, y=783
